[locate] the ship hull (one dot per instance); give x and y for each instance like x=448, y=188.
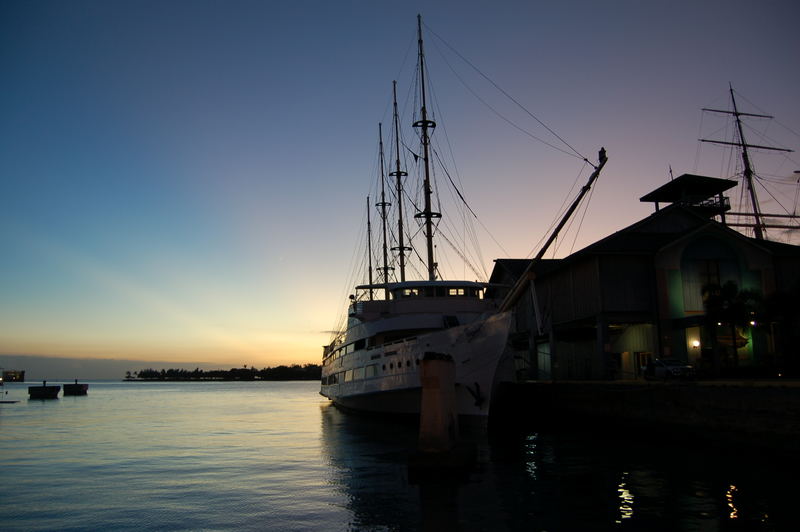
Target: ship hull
x=392, y=383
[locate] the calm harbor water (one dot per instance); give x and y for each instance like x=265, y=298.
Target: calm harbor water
x=277, y=456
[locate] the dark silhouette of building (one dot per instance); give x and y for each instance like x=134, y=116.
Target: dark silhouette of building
x=677, y=284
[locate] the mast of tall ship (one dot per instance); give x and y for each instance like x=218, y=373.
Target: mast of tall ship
x=758, y=226
x=399, y=174
x=369, y=248
x=382, y=204
x=424, y=124
x=758, y=223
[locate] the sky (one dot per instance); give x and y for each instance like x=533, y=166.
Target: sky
x=185, y=180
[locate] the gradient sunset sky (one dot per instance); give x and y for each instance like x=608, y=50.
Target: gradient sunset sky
x=184, y=180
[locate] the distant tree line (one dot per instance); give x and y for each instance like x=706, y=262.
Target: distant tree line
x=294, y=372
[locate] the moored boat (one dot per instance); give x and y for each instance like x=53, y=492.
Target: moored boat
x=76, y=388
x=44, y=391
x=373, y=363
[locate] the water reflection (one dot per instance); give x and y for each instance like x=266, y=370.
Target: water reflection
x=552, y=480
x=625, y=499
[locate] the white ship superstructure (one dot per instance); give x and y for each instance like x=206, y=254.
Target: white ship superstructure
x=374, y=366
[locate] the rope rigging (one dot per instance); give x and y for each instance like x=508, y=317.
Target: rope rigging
x=460, y=229
x=507, y=95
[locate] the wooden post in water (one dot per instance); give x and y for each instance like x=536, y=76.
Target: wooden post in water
x=438, y=417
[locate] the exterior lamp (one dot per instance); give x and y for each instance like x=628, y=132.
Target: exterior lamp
x=753, y=323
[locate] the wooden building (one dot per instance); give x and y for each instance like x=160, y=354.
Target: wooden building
x=677, y=284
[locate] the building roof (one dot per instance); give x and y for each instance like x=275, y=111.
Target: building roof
x=688, y=187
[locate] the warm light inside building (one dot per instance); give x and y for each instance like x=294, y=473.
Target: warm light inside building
x=695, y=343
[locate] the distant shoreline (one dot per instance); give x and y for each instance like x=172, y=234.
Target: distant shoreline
x=296, y=372
x=220, y=380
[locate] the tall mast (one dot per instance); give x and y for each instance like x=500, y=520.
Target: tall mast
x=748, y=173
x=382, y=204
x=758, y=225
x=399, y=174
x=424, y=124
x=369, y=248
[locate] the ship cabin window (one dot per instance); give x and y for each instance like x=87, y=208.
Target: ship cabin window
x=436, y=291
x=360, y=344
x=348, y=375
x=371, y=371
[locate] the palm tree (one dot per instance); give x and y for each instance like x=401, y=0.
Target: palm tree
x=726, y=305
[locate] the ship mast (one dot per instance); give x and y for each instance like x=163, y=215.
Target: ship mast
x=383, y=204
x=758, y=224
x=424, y=124
x=399, y=174
x=758, y=227
x=369, y=249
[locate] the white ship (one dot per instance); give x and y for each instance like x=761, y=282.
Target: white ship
x=374, y=363
x=375, y=366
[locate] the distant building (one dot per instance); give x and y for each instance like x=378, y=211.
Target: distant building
x=13, y=375
x=677, y=284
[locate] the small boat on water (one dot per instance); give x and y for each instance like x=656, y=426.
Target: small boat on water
x=4, y=392
x=76, y=388
x=44, y=391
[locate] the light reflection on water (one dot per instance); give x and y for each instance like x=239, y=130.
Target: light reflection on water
x=276, y=456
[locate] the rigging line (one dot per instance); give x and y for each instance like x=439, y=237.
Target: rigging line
x=449, y=148
x=560, y=213
x=354, y=269
x=463, y=254
x=455, y=187
x=580, y=224
x=504, y=92
x=699, y=144
x=778, y=179
x=507, y=120
x=493, y=238
x=790, y=130
x=773, y=197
